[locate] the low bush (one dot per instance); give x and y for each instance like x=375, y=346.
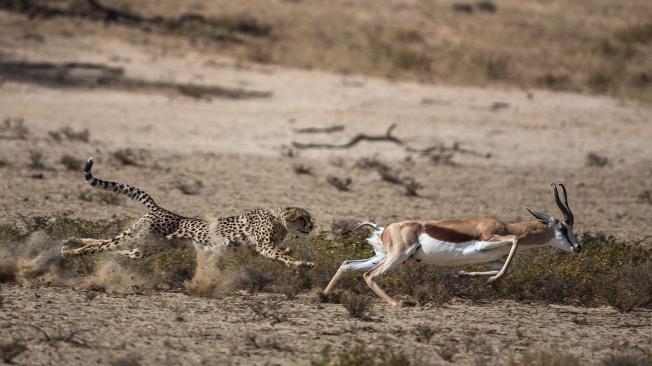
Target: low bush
x=606, y=272
x=359, y=354
x=545, y=358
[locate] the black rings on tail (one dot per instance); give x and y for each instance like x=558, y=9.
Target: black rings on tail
x=132, y=192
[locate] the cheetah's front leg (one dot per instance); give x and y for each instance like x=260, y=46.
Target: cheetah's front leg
x=267, y=249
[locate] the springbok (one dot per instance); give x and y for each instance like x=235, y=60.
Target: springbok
x=460, y=242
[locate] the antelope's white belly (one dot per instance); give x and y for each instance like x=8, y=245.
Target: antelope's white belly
x=444, y=253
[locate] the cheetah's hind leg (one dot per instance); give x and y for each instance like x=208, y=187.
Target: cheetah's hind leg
x=88, y=245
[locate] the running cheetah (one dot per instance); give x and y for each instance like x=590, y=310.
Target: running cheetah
x=262, y=228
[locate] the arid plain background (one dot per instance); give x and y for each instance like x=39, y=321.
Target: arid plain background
x=203, y=115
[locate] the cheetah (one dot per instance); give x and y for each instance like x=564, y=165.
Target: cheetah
x=264, y=229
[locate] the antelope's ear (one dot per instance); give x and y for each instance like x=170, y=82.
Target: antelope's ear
x=543, y=217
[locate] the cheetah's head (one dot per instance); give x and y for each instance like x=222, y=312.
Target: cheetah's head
x=297, y=220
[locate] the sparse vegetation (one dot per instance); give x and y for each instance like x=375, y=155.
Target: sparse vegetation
x=410, y=185
x=130, y=359
x=190, y=187
x=13, y=128
x=424, y=332
x=544, y=358
x=627, y=359
x=336, y=38
x=107, y=198
x=71, y=163
x=342, y=184
x=357, y=305
x=645, y=197
x=593, y=159
x=10, y=350
x=606, y=272
x=301, y=169
x=127, y=157
x=448, y=351
x=36, y=160
x=554, y=81
x=359, y=354
x=68, y=133
x=638, y=33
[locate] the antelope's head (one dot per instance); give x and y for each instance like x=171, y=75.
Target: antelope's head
x=563, y=230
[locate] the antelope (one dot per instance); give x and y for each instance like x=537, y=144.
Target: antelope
x=460, y=242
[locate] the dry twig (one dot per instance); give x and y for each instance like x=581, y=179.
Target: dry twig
x=388, y=137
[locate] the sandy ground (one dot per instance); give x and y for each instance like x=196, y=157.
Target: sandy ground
x=171, y=328
x=238, y=150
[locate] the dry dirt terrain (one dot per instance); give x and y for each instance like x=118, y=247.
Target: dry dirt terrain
x=171, y=328
x=200, y=150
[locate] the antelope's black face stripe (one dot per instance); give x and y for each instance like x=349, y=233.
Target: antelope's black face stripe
x=564, y=231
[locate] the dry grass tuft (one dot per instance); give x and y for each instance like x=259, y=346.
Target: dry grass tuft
x=36, y=160
x=190, y=187
x=126, y=157
x=359, y=354
x=357, y=305
x=13, y=128
x=342, y=184
x=68, y=133
x=424, y=332
x=130, y=359
x=10, y=350
x=301, y=169
x=71, y=163
x=545, y=358
x=103, y=197
x=627, y=359
x=638, y=33
x=593, y=159
x=645, y=197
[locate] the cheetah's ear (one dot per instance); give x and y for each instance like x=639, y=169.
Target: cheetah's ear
x=290, y=214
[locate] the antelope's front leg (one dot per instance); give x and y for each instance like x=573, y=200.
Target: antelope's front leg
x=508, y=262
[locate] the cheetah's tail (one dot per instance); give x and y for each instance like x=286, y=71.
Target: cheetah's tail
x=131, y=192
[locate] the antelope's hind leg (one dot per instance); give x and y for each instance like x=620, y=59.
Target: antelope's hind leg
x=354, y=265
x=392, y=260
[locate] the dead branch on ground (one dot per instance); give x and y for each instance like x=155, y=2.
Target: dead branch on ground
x=327, y=129
x=388, y=137
x=61, y=337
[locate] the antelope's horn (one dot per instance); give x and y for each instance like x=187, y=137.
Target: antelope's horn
x=568, y=217
x=571, y=218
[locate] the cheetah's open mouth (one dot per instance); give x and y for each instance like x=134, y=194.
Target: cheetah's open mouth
x=304, y=231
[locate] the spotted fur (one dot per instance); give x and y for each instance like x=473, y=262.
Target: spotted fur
x=265, y=229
